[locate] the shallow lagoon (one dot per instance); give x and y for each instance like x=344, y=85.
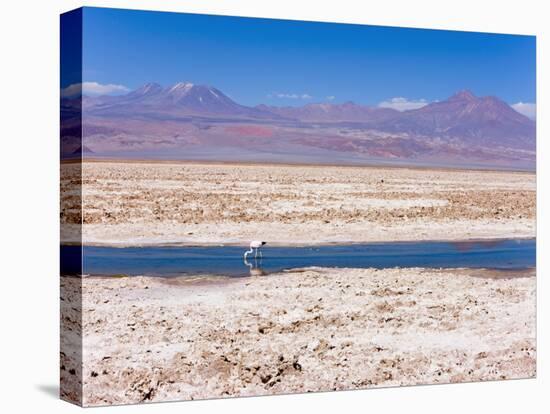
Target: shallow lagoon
x=228, y=260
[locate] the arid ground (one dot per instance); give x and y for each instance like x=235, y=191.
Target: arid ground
x=155, y=339
x=133, y=203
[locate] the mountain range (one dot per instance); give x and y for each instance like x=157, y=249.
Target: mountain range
x=187, y=121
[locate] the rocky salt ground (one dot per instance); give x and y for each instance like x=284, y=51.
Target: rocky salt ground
x=153, y=339
x=136, y=203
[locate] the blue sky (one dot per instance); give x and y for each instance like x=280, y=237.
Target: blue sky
x=292, y=63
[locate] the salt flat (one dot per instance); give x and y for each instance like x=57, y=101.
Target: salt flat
x=314, y=329
x=155, y=339
x=140, y=203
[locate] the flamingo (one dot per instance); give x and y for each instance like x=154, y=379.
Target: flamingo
x=255, y=246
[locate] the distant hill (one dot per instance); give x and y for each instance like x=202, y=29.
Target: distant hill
x=180, y=99
x=187, y=121
x=326, y=112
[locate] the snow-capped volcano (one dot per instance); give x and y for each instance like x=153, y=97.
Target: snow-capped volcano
x=201, y=98
x=182, y=98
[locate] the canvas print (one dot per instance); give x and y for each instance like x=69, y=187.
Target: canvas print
x=257, y=206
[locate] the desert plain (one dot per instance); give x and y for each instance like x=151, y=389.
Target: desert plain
x=147, y=339
x=146, y=203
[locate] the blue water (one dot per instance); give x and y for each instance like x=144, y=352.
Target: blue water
x=228, y=260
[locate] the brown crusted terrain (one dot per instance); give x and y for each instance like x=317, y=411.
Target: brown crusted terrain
x=153, y=339
x=194, y=203
x=149, y=339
